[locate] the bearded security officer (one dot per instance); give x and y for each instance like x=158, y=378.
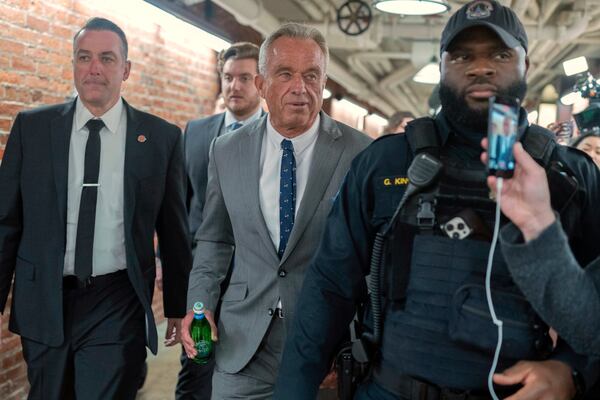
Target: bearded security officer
x=437, y=339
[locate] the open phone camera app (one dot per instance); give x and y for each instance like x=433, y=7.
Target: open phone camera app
x=503, y=124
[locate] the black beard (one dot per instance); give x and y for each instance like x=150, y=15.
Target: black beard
x=456, y=109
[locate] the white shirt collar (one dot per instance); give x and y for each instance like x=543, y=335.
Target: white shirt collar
x=111, y=118
x=230, y=118
x=300, y=142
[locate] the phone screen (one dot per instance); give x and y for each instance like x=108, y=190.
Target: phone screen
x=503, y=124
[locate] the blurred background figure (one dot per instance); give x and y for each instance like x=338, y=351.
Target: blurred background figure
x=219, y=104
x=590, y=144
x=397, y=122
x=563, y=131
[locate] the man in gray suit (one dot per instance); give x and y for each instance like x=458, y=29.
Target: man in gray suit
x=237, y=67
x=270, y=186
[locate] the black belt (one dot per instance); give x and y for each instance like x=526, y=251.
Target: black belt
x=407, y=387
x=70, y=282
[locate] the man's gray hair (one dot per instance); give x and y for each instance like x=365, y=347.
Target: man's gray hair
x=296, y=31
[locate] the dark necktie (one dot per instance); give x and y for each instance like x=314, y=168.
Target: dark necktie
x=233, y=126
x=287, y=194
x=84, y=243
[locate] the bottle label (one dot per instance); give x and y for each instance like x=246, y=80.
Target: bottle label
x=204, y=348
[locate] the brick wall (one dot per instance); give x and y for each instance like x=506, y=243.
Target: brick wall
x=175, y=80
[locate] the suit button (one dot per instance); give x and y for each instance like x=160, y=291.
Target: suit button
x=282, y=273
x=271, y=312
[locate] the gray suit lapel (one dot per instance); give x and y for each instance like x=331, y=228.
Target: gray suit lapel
x=249, y=166
x=327, y=152
x=60, y=137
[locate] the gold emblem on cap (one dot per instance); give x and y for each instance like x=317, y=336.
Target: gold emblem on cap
x=141, y=138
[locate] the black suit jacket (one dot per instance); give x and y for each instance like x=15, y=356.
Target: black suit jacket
x=33, y=206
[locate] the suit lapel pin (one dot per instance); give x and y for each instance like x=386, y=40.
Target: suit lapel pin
x=141, y=138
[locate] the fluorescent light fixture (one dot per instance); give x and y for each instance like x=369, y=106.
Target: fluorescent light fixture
x=377, y=120
x=547, y=114
x=412, y=7
x=571, y=98
x=326, y=94
x=149, y=17
x=532, y=117
x=353, y=108
x=429, y=74
x=575, y=66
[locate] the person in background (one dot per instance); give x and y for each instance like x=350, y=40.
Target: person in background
x=237, y=67
x=270, y=187
x=541, y=262
x=397, y=122
x=85, y=185
x=589, y=144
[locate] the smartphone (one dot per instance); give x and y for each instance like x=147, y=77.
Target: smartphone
x=503, y=122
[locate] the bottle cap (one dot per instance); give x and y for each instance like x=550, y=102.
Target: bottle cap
x=198, y=307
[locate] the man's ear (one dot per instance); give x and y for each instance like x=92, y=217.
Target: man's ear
x=259, y=82
x=127, y=70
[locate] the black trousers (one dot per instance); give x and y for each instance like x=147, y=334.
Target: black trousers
x=104, y=348
x=194, y=381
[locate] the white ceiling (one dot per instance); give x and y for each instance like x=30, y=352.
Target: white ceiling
x=378, y=65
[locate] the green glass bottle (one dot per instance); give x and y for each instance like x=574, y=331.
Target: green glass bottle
x=201, y=335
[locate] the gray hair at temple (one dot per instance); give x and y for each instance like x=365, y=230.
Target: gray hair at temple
x=296, y=31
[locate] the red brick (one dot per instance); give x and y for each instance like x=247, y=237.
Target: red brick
x=12, y=14
x=37, y=53
x=49, y=70
x=23, y=64
x=16, y=372
x=10, y=77
x=9, y=46
x=51, y=42
x=38, y=24
x=17, y=94
x=64, y=32
x=25, y=35
x=36, y=82
x=5, y=125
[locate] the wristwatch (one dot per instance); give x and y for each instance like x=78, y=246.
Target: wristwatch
x=579, y=383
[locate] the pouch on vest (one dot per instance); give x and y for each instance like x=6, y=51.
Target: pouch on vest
x=446, y=293
x=471, y=323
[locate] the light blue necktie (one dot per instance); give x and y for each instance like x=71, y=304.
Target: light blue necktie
x=287, y=194
x=233, y=126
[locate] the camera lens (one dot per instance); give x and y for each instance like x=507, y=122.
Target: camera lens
x=461, y=226
x=449, y=227
x=455, y=235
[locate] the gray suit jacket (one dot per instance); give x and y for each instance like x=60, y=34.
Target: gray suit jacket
x=198, y=136
x=233, y=220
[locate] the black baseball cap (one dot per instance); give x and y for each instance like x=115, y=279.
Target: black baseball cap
x=488, y=13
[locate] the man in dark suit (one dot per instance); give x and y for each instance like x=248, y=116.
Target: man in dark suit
x=237, y=67
x=84, y=187
x=270, y=186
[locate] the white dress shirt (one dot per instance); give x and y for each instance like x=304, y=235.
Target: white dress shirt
x=270, y=170
x=230, y=119
x=109, y=232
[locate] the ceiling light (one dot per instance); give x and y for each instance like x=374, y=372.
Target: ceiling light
x=429, y=74
x=571, y=98
x=326, y=93
x=353, y=108
x=575, y=66
x=532, y=117
x=412, y=7
x=546, y=113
